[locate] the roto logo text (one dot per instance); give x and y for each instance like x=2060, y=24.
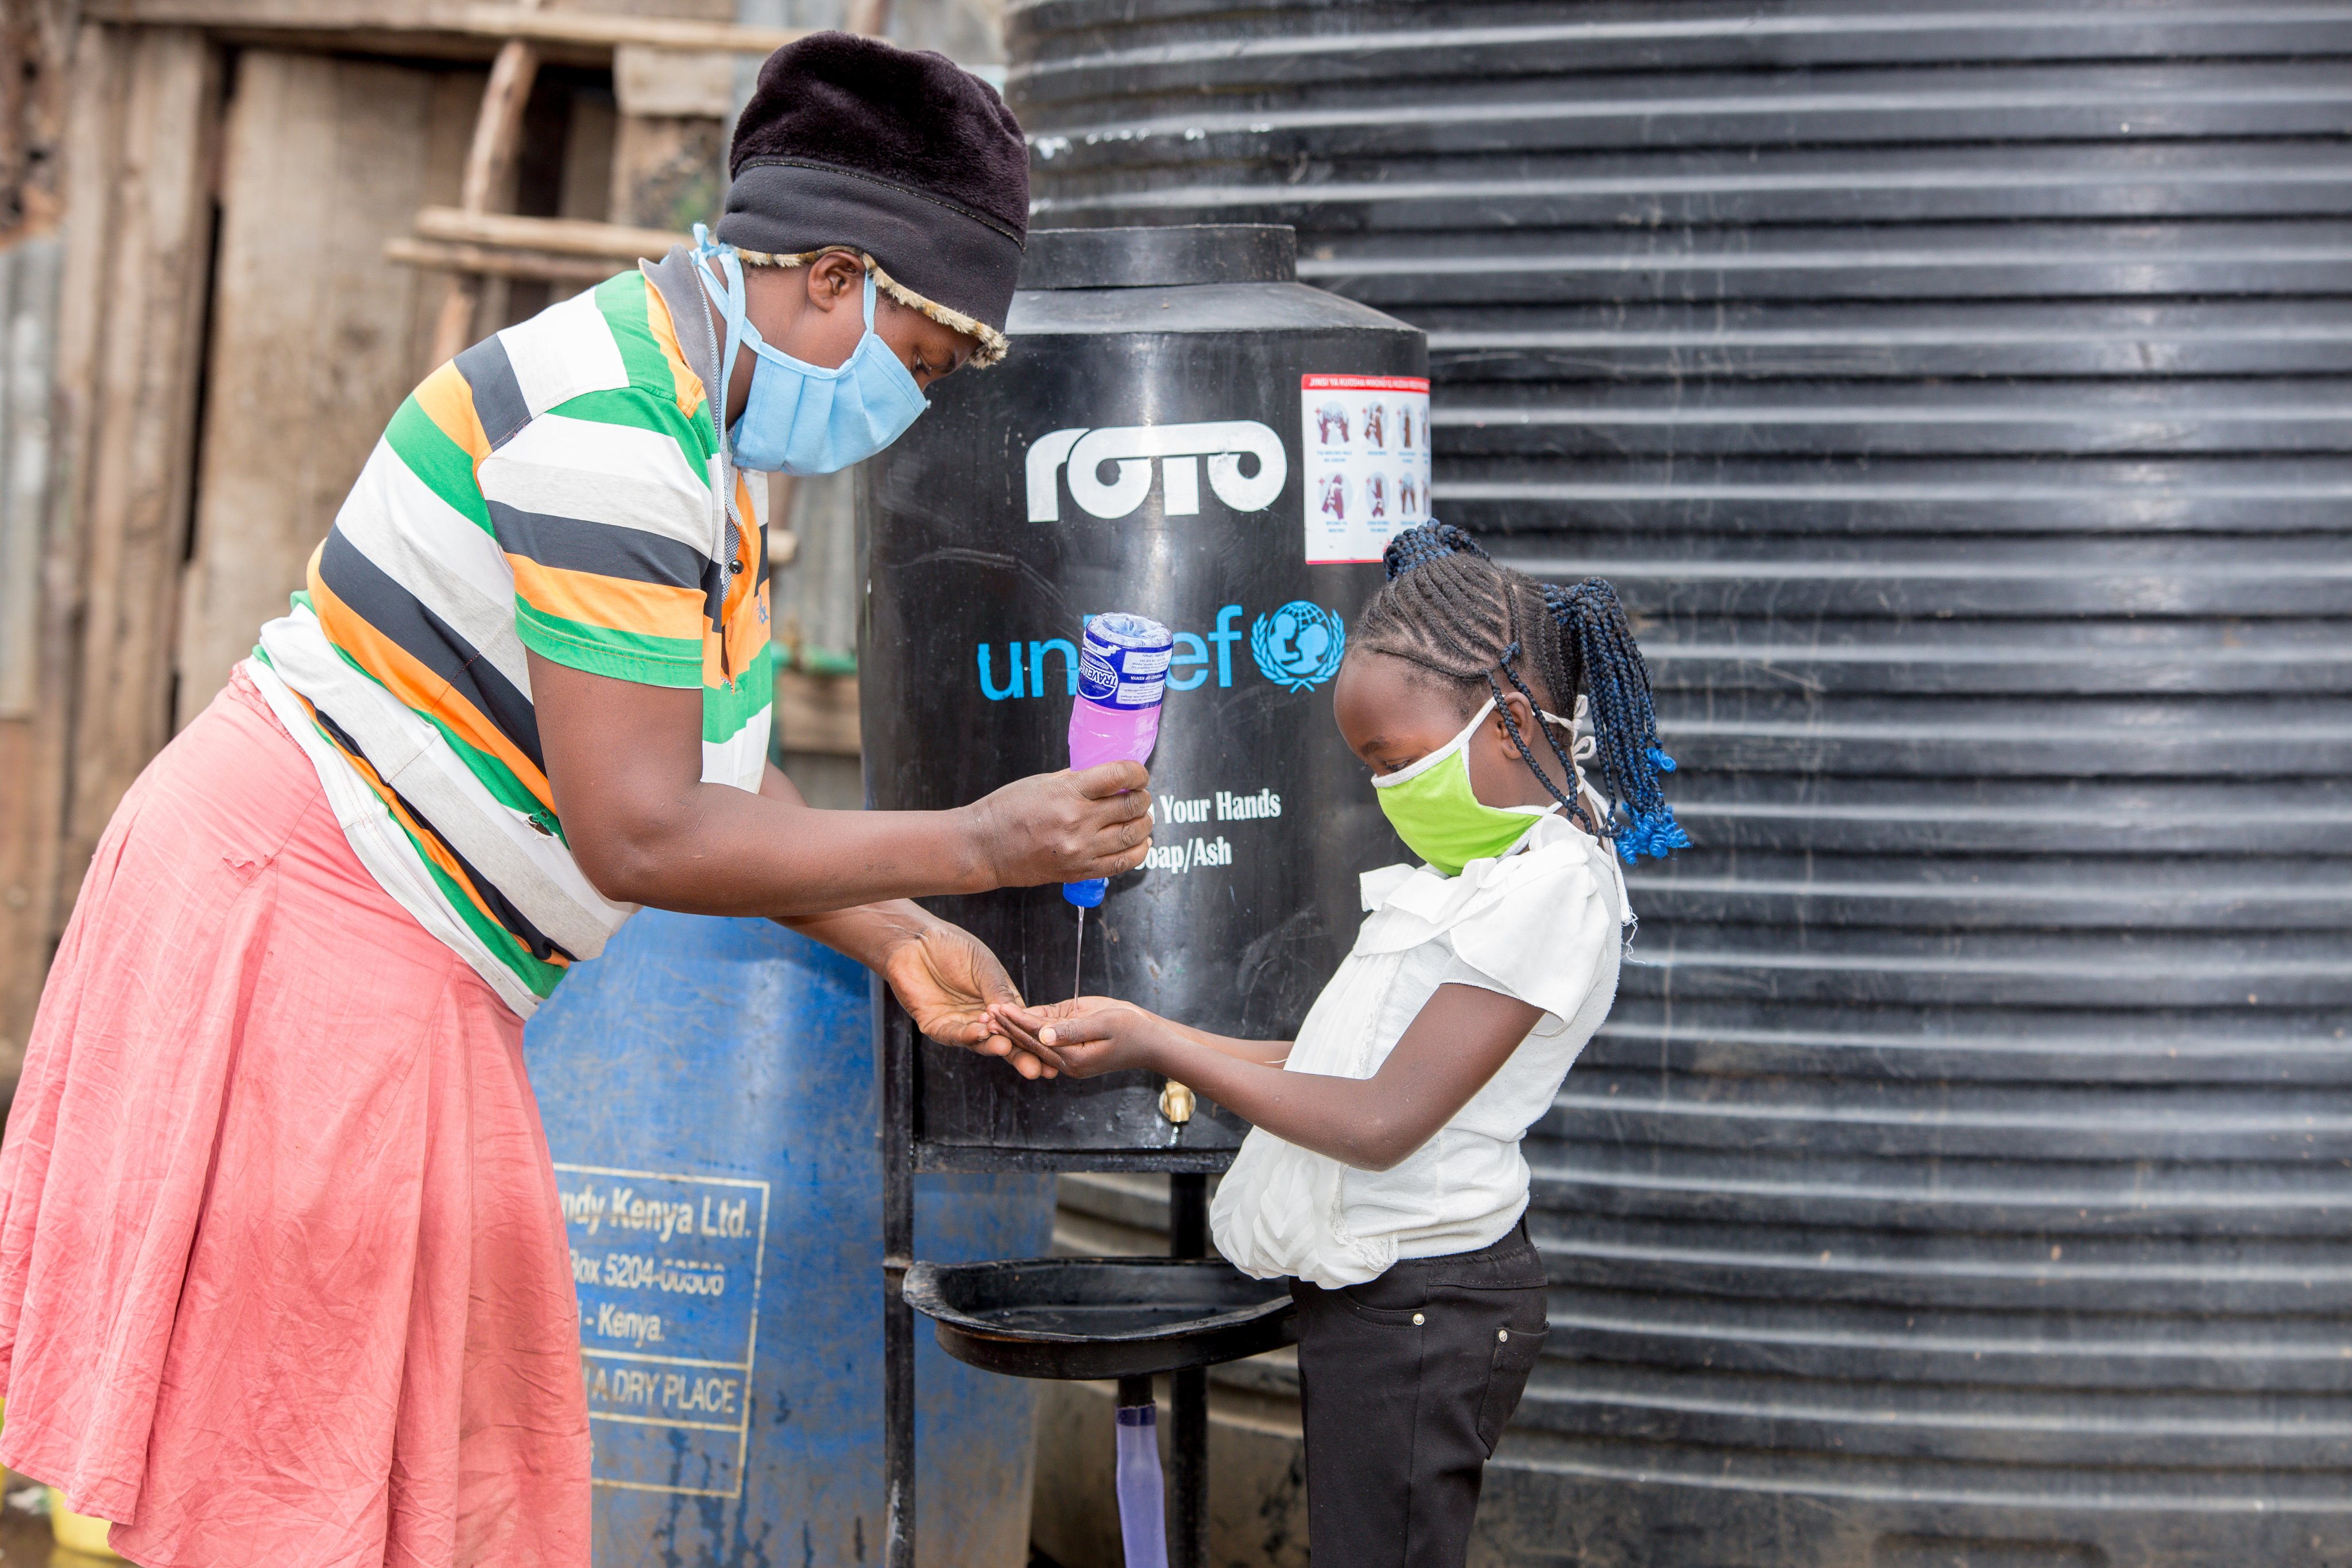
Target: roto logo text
x=1128, y=450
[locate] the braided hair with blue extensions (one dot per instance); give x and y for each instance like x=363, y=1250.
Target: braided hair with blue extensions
x=1624, y=727
x=1458, y=614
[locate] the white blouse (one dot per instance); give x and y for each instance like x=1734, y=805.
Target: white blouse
x=1540, y=923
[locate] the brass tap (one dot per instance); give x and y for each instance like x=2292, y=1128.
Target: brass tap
x=1176, y=1103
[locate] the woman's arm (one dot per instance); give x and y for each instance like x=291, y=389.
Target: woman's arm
x=625, y=761
x=943, y=975
x=1457, y=1042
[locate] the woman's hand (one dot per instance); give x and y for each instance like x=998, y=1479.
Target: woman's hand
x=1065, y=827
x=952, y=985
x=1088, y=1035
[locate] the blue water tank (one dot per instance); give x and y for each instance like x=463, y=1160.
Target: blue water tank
x=707, y=1088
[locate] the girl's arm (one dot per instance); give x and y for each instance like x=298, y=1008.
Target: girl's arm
x=1030, y=1060
x=1459, y=1040
x=1257, y=1052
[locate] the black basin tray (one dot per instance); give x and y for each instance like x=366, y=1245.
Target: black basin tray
x=1100, y=1317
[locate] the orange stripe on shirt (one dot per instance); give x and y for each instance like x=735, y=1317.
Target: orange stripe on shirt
x=740, y=581
x=622, y=604
x=429, y=842
x=665, y=330
x=747, y=630
x=742, y=630
x=744, y=581
x=417, y=687
x=448, y=403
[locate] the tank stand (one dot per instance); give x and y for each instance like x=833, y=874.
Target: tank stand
x=1188, y=1524
x=898, y=1071
x=1187, y=1517
x=1188, y=1236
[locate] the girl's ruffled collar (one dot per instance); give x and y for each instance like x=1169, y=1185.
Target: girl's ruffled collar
x=1410, y=905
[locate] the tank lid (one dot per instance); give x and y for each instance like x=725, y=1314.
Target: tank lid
x=1160, y=257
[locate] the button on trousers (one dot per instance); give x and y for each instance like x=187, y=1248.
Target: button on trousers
x=1406, y=1382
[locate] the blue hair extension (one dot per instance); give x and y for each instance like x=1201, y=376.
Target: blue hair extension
x=1624, y=726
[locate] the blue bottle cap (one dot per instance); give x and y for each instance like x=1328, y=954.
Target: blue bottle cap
x=1124, y=661
x=1086, y=894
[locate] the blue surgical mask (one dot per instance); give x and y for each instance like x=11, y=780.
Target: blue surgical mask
x=803, y=418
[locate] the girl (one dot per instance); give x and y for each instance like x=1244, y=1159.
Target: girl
x=1384, y=1174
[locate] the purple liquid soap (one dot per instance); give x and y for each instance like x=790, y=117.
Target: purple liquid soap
x=1122, y=673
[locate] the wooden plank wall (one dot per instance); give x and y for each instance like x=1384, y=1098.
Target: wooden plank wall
x=670, y=164
x=315, y=337
x=36, y=46
x=140, y=152
x=29, y=272
x=35, y=38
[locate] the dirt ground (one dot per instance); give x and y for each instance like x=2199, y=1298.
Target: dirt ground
x=26, y=1542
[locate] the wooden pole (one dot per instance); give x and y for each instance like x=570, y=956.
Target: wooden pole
x=647, y=31
x=497, y=134
x=557, y=236
x=577, y=36
x=528, y=266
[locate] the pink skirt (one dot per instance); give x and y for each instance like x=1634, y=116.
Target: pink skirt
x=283, y=1277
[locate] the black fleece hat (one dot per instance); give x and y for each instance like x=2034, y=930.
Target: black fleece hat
x=904, y=156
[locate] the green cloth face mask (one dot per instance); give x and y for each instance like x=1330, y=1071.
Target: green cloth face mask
x=1439, y=816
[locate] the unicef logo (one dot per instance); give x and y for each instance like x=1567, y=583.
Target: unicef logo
x=1299, y=646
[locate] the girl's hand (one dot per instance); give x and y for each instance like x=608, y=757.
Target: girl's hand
x=1086, y=1036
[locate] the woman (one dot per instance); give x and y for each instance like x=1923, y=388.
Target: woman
x=282, y=1273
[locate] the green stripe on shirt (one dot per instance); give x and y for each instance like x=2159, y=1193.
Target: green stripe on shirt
x=727, y=709
x=531, y=970
x=622, y=299
x=608, y=651
x=446, y=468
x=646, y=410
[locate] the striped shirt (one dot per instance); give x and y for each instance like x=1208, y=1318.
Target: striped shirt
x=557, y=487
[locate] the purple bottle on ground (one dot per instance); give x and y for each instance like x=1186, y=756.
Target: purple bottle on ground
x=1122, y=675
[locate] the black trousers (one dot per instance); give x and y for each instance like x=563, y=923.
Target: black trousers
x=1406, y=1381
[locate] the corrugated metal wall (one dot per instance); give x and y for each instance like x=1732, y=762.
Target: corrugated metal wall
x=1963, y=396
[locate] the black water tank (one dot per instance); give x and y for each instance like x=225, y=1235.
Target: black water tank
x=1962, y=395
x=1151, y=443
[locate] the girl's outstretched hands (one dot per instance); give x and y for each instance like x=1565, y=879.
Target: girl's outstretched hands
x=1085, y=1035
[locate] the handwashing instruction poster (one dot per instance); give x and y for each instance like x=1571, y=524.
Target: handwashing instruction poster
x=1366, y=444
x=667, y=1267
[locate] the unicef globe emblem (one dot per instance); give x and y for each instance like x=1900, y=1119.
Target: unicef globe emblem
x=1299, y=646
